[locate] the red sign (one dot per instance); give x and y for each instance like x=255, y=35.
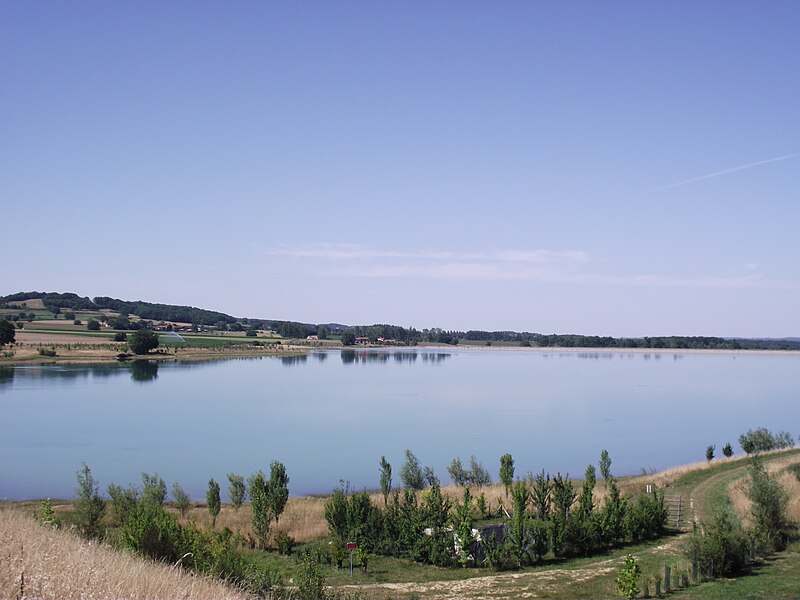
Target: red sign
x=352, y=545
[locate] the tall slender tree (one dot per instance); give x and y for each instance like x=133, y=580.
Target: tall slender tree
x=213, y=501
x=277, y=489
x=386, y=479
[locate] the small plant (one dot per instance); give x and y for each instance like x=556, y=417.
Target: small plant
x=310, y=580
x=46, y=516
x=47, y=352
x=628, y=578
x=284, y=542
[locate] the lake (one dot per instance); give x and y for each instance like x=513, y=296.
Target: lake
x=330, y=416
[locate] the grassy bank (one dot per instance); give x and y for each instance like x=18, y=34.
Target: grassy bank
x=49, y=557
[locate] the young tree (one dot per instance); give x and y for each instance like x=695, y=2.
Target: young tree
x=605, y=466
x=154, y=489
x=540, y=494
x=627, y=579
x=429, y=476
x=519, y=522
x=411, y=472
x=213, y=501
x=477, y=473
x=727, y=450
x=92, y=325
x=506, y=471
x=457, y=472
x=710, y=452
x=463, y=527
x=181, y=498
x=769, y=505
x=236, y=490
x=586, y=502
x=277, y=489
x=386, y=479
x=258, y=487
x=89, y=505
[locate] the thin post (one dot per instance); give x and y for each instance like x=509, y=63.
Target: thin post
x=694, y=571
x=678, y=520
x=667, y=578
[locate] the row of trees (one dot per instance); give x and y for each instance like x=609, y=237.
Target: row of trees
x=549, y=517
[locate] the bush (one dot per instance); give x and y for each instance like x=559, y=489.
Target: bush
x=769, y=506
x=46, y=351
x=142, y=341
x=120, y=336
x=285, y=543
x=721, y=547
x=627, y=579
x=92, y=325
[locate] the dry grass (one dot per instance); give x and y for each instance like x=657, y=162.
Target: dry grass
x=60, y=566
x=303, y=518
x=789, y=482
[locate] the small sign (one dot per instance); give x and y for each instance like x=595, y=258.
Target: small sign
x=352, y=545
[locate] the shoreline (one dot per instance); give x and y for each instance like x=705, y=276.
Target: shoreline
x=68, y=354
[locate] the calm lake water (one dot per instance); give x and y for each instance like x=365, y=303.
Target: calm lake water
x=330, y=416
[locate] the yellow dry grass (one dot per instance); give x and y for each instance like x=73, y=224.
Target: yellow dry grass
x=788, y=481
x=58, y=565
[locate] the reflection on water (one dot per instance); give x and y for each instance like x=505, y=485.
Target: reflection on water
x=382, y=356
x=6, y=375
x=328, y=419
x=298, y=359
x=144, y=370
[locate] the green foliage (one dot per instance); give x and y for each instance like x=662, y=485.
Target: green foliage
x=89, y=505
x=612, y=517
x=719, y=546
x=475, y=475
x=710, y=452
x=506, y=471
x=411, y=472
x=645, y=517
x=46, y=351
x=7, y=333
x=463, y=528
x=585, y=502
x=142, y=341
x=386, y=479
x=236, y=490
x=605, y=466
x=627, y=578
x=181, y=498
x=285, y=543
x=123, y=503
x=727, y=450
x=120, y=336
x=540, y=495
x=763, y=440
x=769, y=506
x=92, y=325
x=310, y=579
x=154, y=489
x=277, y=489
x=519, y=537
x=213, y=501
x=259, y=497
x=45, y=515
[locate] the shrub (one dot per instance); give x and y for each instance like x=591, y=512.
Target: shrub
x=181, y=498
x=142, y=341
x=769, y=506
x=710, y=452
x=120, y=336
x=236, y=490
x=720, y=547
x=411, y=472
x=89, y=506
x=213, y=501
x=92, y=325
x=285, y=543
x=46, y=351
x=627, y=579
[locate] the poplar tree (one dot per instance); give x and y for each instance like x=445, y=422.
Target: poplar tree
x=212, y=500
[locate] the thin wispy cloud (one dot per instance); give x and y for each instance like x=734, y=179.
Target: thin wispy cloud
x=539, y=266
x=726, y=171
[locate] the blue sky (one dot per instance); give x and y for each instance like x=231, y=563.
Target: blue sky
x=626, y=168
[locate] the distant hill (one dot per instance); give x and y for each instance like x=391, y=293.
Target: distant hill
x=384, y=333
